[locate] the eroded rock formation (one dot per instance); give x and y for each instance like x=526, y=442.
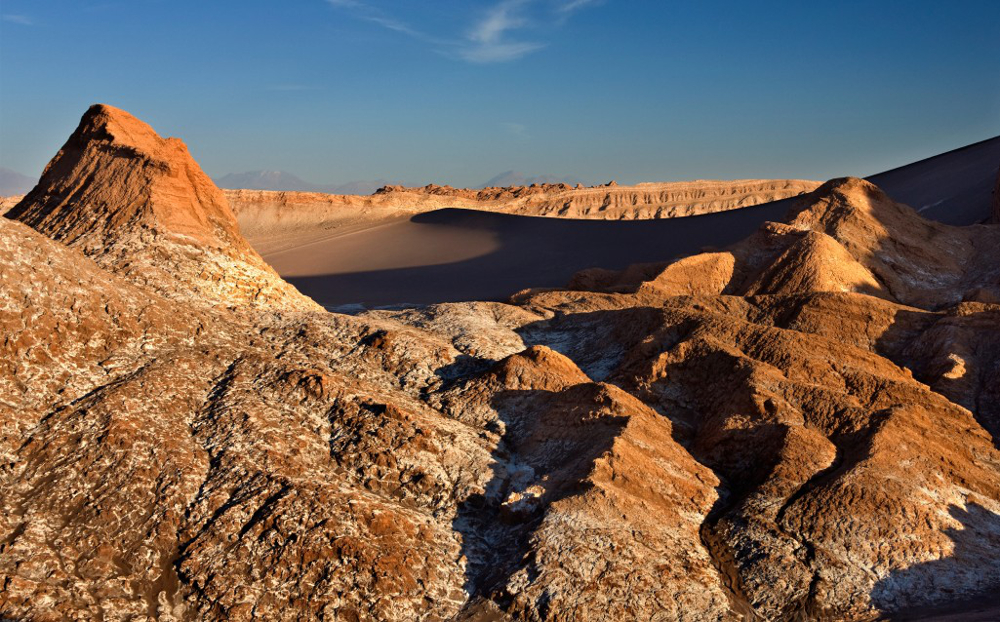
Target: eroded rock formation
x=611, y=201
x=803, y=426
x=141, y=206
x=6, y=203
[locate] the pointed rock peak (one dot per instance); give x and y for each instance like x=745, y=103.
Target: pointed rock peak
x=115, y=176
x=107, y=123
x=139, y=204
x=855, y=204
x=844, y=191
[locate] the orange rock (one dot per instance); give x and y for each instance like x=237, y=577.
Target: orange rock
x=801, y=426
x=140, y=205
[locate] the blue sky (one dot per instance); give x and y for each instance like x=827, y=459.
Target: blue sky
x=457, y=91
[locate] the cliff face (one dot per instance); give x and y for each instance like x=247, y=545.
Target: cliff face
x=614, y=202
x=802, y=426
x=263, y=213
x=140, y=205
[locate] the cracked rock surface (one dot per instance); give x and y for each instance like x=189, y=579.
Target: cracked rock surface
x=803, y=426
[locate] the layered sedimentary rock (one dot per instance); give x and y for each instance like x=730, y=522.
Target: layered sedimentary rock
x=141, y=206
x=266, y=214
x=612, y=201
x=802, y=426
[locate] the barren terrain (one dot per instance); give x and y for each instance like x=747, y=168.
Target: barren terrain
x=278, y=220
x=801, y=425
x=388, y=249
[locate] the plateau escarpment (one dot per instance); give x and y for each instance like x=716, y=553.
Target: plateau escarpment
x=801, y=426
x=612, y=201
x=278, y=219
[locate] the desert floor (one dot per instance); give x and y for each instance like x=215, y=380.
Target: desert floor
x=457, y=254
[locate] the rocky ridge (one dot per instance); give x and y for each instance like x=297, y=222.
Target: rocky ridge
x=798, y=427
x=614, y=202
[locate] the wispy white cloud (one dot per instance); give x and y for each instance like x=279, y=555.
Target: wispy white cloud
x=23, y=20
x=571, y=6
x=495, y=35
x=374, y=15
x=489, y=39
x=517, y=130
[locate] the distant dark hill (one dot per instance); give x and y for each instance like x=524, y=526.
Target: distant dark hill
x=12, y=182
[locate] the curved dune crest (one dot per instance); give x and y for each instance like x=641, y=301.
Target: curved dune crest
x=272, y=218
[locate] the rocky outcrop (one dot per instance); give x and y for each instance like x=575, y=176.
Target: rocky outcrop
x=140, y=205
x=6, y=203
x=802, y=426
x=847, y=236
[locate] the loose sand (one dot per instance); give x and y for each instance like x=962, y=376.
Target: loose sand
x=459, y=254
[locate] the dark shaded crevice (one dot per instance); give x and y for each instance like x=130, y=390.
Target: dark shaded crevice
x=725, y=564
x=497, y=533
x=266, y=508
x=180, y=554
x=732, y=493
x=850, y=449
x=805, y=609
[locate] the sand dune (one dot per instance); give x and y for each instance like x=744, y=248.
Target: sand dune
x=434, y=257
x=412, y=243
x=274, y=220
x=954, y=187
x=804, y=425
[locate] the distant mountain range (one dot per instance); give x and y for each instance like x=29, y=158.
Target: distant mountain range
x=513, y=178
x=12, y=182
x=283, y=181
x=286, y=182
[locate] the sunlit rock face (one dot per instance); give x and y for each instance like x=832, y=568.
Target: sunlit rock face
x=141, y=206
x=801, y=426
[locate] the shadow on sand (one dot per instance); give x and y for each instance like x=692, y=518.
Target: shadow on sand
x=954, y=188
x=531, y=252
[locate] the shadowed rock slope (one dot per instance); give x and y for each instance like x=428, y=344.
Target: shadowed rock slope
x=800, y=427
